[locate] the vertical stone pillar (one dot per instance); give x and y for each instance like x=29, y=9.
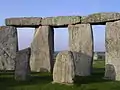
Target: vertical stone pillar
x=42, y=49
x=22, y=67
x=63, y=71
x=112, y=55
x=81, y=43
x=8, y=47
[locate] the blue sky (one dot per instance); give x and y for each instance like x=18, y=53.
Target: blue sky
x=45, y=8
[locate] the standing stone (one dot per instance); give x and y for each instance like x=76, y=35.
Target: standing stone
x=8, y=47
x=63, y=71
x=81, y=43
x=22, y=68
x=42, y=49
x=112, y=56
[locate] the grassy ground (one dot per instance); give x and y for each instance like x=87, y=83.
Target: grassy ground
x=42, y=81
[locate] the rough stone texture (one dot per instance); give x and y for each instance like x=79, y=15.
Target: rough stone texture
x=8, y=47
x=42, y=49
x=63, y=71
x=112, y=62
x=61, y=21
x=22, y=68
x=24, y=21
x=81, y=43
x=100, y=18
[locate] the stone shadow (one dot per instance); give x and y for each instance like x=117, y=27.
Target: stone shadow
x=7, y=80
x=93, y=75
x=97, y=76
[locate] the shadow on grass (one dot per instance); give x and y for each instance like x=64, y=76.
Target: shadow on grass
x=96, y=77
x=7, y=79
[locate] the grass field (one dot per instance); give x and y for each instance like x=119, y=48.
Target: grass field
x=42, y=81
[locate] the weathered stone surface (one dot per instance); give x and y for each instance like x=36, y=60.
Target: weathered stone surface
x=112, y=62
x=42, y=49
x=61, y=21
x=8, y=47
x=63, y=71
x=81, y=43
x=24, y=21
x=100, y=18
x=22, y=68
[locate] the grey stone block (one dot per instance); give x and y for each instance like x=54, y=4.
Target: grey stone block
x=22, y=68
x=42, y=49
x=64, y=71
x=81, y=43
x=100, y=18
x=112, y=55
x=61, y=21
x=24, y=21
x=8, y=47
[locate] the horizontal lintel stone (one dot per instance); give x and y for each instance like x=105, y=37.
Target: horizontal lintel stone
x=61, y=21
x=23, y=21
x=100, y=18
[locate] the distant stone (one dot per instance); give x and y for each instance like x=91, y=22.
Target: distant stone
x=100, y=18
x=63, y=71
x=22, y=68
x=110, y=73
x=81, y=43
x=42, y=49
x=8, y=47
x=112, y=55
x=61, y=21
x=23, y=21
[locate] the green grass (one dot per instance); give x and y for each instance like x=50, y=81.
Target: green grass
x=42, y=81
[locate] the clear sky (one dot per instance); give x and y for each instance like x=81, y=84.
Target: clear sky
x=45, y=8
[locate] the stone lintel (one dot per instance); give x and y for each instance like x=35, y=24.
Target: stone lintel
x=100, y=18
x=23, y=21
